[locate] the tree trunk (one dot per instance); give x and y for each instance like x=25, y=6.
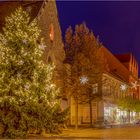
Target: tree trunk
x=132, y=117
x=90, y=107
x=4, y=130
x=129, y=116
x=76, y=113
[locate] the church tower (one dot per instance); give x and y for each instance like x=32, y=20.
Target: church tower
x=51, y=32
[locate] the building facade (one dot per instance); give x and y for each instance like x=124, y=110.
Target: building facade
x=122, y=69
x=117, y=83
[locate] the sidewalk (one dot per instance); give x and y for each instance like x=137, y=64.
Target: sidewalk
x=119, y=125
x=120, y=133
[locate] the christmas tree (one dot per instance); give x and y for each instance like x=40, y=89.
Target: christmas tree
x=28, y=97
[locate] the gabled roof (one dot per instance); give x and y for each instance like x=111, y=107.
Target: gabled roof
x=7, y=7
x=115, y=66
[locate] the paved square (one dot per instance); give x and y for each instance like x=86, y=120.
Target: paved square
x=124, y=133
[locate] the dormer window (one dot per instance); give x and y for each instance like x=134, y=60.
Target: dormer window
x=51, y=32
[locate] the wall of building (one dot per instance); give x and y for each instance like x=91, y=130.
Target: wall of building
x=111, y=91
x=51, y=32
x=83, y=113
x=133, y=67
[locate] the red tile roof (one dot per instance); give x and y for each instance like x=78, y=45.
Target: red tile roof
x=123, y=57
x=115, y=66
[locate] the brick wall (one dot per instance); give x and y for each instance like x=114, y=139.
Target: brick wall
x=49, y=23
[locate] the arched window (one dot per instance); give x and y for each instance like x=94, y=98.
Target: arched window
x=29, y=9
x=51, y=32
x=49, y=60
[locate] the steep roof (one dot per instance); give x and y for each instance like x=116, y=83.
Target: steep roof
x=7, y=7
x=123, y=57
x=115, y=66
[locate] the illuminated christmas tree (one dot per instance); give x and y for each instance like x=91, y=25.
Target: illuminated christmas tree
x=27, y=93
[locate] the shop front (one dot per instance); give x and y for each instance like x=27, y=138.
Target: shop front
x=114, y=115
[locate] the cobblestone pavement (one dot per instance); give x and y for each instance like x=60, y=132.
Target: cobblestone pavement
x=126, y=133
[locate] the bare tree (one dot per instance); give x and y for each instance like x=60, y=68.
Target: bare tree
x=86, y=65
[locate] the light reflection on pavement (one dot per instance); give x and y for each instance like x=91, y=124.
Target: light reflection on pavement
x=126, y=133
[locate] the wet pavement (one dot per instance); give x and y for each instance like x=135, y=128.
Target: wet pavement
x=125, y=133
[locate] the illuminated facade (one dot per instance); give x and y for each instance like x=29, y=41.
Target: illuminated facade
x=122, y=69
x=117, y=83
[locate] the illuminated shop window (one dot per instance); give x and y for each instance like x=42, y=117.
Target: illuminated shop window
x=106, y=90
x=51, y=32
x=95, y=88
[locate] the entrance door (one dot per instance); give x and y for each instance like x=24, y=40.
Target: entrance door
x=85, y=116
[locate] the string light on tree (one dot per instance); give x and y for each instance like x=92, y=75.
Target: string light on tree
x=134, y=85
x=83, y=79
x=27, y=87
x=42, y=46
x=21, y=62
x=18, y=75
x=24, y=41
x=25, y=53
x=26, y=80
x=123, y=87
x=4, y=41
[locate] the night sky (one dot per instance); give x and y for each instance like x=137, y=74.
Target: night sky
x=117, y=23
